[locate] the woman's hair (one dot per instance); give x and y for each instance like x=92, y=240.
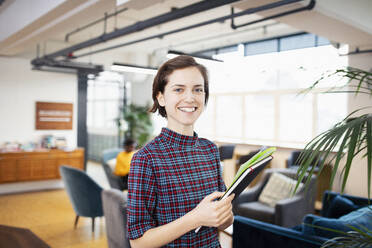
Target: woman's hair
x=161, y=79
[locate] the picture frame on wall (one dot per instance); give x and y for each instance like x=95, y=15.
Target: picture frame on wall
x=53, y=116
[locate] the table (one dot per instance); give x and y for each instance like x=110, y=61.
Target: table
x=16, y=237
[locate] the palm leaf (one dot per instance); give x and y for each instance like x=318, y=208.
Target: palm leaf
x=347, y=138
x=357, y=238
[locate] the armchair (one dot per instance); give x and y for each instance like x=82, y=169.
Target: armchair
x=254, y=233
x=115, y=210
x=292, y=161
x=250, y=233
x=287, y=212
x=84, y=193
x=226, y=151
x=115, y=182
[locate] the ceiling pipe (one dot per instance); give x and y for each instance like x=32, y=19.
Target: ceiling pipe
x=357, y=51
x=67, y=36
x=139, y=26
x=69, y=65
x=220, y=19
x=310, y=6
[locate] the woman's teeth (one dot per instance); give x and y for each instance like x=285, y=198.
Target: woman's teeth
x=189, y=110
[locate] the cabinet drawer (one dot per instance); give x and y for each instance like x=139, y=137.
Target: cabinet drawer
x=8, y=170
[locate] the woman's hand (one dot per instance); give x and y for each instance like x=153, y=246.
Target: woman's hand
x=214, y=213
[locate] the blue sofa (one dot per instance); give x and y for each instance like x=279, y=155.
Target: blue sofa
x=253, y=233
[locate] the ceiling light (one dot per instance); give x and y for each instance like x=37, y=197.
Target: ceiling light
x=133, y=68
x=171, y=54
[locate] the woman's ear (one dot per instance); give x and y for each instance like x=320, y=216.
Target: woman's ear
x=160, y=98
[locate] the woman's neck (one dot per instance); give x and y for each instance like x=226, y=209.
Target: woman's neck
x=184, y=130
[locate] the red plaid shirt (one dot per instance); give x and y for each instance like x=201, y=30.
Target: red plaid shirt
x=167, y=179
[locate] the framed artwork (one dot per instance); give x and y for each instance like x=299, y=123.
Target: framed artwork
x=53, y=116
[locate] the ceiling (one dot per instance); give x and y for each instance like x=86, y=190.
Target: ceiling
x=26, y=25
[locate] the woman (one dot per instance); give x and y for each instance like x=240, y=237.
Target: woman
x=175, y=179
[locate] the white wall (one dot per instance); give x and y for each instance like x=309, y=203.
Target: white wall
x=357, y=182
x=20, y=88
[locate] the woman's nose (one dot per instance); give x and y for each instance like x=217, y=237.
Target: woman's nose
x=190, y=95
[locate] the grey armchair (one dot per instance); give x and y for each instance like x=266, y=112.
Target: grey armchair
x=293, y=161
x=115, y=211
x=115, y=182
x=84, y=193
x=226, y=151
x=287, y=212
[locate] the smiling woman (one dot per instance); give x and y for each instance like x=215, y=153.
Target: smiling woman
x=183, y=99
x=175, y=178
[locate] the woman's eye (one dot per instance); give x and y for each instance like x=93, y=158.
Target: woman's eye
x=178, y=90
x=199, y=90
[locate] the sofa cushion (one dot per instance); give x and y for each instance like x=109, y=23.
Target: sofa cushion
x=257, y=211
x=278, y=187
x=340, y=206
x=313, y=224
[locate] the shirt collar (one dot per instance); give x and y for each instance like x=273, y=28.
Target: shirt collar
x=178, y=140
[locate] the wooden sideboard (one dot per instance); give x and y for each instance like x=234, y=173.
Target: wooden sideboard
x=38, y=165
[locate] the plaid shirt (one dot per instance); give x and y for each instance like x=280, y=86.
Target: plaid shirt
x=167, y=179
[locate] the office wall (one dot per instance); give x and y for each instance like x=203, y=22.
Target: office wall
x=20, y=88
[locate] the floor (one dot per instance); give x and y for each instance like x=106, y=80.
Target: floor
x=50, y=216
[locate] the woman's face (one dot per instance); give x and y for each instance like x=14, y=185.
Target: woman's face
x=183, y=98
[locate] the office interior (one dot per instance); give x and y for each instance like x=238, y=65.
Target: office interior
x=65, y=51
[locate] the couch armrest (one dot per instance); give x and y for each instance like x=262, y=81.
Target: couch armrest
x=253, y=233
x=249, y=195
x=289, y=212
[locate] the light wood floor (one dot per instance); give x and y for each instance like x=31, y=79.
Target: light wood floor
x=50, y=216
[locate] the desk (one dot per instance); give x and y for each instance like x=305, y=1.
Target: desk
x=16, y=237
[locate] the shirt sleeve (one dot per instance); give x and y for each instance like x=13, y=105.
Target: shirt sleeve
x=141, y=196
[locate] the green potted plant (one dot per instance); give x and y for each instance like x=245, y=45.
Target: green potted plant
x=136, y=123
x=346, y=139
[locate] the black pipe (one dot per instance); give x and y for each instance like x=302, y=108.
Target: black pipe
x=220, y=19
x=93, y=23
x=357, y=51
x=139, y=26
x=82, y=130
x=310, y=6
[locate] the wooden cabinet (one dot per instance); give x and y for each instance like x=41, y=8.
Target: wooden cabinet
x=8, y=170
x=43, y=165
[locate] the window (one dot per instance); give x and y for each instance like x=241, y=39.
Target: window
x=259, y=112
x=255, y=99
x=105, y=98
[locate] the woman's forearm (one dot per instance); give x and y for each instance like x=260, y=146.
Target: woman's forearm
x=162, y=235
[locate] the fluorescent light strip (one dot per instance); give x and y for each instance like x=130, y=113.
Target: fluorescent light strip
x=134, y=69
x=171, y=54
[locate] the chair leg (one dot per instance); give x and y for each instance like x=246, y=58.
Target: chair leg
x=93, y=224
x=76, y=221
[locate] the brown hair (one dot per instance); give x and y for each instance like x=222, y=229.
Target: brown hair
x=161, y=79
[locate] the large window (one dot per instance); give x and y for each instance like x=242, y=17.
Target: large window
x=255, y=93
x=105, y=98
